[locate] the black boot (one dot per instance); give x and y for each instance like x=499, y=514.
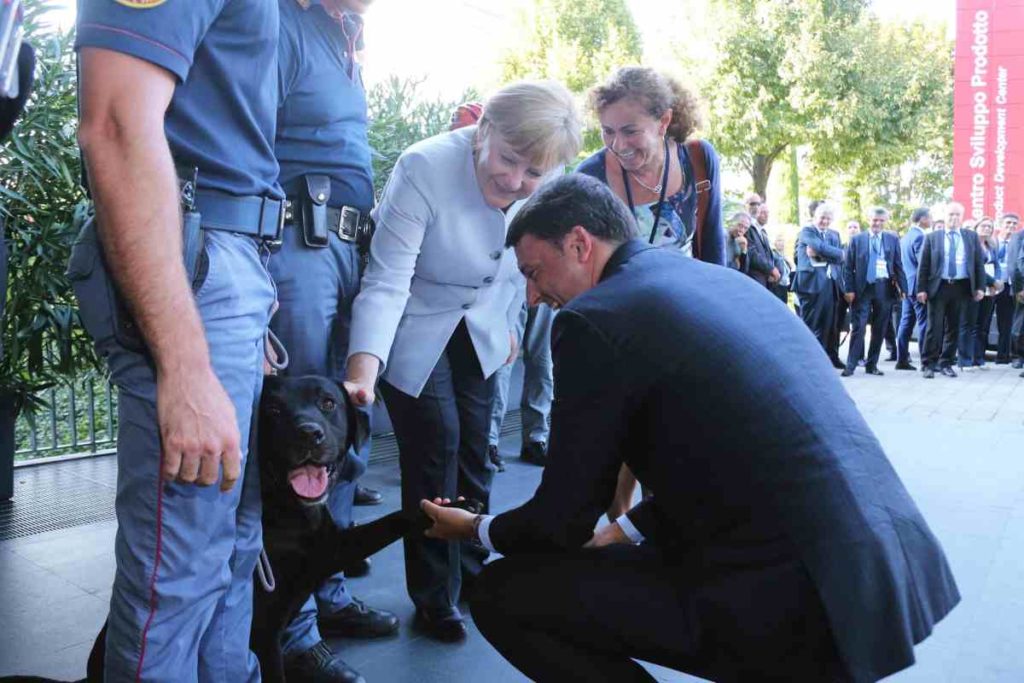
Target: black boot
x=319, y=664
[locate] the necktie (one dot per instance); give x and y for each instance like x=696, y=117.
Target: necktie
x=951, y=256
x=873, y=265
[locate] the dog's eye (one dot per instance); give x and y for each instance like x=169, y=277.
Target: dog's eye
x=327, y=404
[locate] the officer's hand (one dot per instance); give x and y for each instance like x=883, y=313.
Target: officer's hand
x=979, y=295
x=361, y=378
x=849, y=296
x=198, y=429
x=922, y=297
x=774, y=276
x=513, y=348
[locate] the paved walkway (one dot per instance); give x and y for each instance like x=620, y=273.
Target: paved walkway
x=957, y=443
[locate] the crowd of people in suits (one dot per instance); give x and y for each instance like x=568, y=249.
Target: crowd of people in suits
x=942, y=282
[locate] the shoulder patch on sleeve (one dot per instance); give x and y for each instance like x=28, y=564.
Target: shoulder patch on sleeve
x=140, y=4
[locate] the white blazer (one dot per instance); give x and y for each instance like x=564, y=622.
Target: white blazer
x=438, y=256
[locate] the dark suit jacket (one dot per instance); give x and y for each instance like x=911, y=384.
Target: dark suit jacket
x=859, y=262
x=1015, y=262
x=932, y=266
x=656, y=367
x=759, y=255
x=811, y=280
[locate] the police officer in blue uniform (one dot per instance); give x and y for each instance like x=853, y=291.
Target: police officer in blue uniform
x=173, y=288
x=326, y=173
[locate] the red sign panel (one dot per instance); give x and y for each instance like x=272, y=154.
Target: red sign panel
x=988, y=107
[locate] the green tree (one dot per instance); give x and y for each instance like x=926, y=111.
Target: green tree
x=896, y=148
x=399, y=117
x=43, y=204
x=578, y=42
x=777, y=75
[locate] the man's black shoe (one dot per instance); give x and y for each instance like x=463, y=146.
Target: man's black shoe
x=905, y=366
x=874, y=371
x=358, y=568
x=838, y=364
x=1021, y=374
x=891, y=358
x=847, y=372
x=535, y=452
x=319, y=664
x=446, y=627
x=1017, y=364
x=947, y=371
x=928, y=373
x=358, y=621
x=367, y=496
x=1002, y=361
x=495, y=457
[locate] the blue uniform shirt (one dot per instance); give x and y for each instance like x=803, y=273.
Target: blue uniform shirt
x=224, y=55
x=322, y=123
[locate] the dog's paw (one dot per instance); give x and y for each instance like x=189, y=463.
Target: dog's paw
x=468, y=504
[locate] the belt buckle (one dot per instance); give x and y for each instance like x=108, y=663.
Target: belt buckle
x=348, y=223
x=282, y=205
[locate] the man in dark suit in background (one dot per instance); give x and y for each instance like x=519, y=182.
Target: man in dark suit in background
x=1015, y=280
x=913, y=314
x=763, y=557
x=873, y=278
x=819, y=259
x=952, y=270
x=1008, y=225
x=760, y=260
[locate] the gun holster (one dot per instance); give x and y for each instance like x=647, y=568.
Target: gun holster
x=314, y=210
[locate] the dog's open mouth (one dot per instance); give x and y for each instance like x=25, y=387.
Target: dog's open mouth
x=310, y=481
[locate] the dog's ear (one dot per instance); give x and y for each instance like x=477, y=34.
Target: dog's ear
x=361, y=421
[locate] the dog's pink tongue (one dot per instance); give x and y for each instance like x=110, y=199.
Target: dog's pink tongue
x=309, y=481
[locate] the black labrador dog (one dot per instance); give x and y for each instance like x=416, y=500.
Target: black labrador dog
x=307, y=425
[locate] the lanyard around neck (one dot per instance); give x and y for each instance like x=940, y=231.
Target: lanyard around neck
x=661, y=197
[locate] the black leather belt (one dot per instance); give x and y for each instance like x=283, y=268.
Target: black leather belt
x=260, y=217
x=347, y=222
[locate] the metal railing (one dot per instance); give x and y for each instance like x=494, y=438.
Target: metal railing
x=80, y=418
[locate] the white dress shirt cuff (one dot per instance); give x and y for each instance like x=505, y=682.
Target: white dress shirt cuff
x=627, y=528
x=484, y=532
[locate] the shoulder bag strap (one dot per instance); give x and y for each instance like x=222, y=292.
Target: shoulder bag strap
x=703, y=187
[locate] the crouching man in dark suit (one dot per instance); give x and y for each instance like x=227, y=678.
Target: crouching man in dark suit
x=874, y=280
x=762, y=555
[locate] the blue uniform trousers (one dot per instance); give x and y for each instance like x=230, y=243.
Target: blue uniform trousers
x=538, y=380
x=913, y=318
x=181, y=606
x=316, y=288
x=874, y=307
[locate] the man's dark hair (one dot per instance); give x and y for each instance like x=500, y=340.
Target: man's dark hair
x=813, y=206
x=571, y=200
x=919, y=214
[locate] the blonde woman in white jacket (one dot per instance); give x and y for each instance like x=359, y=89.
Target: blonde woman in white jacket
x=439, y=302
